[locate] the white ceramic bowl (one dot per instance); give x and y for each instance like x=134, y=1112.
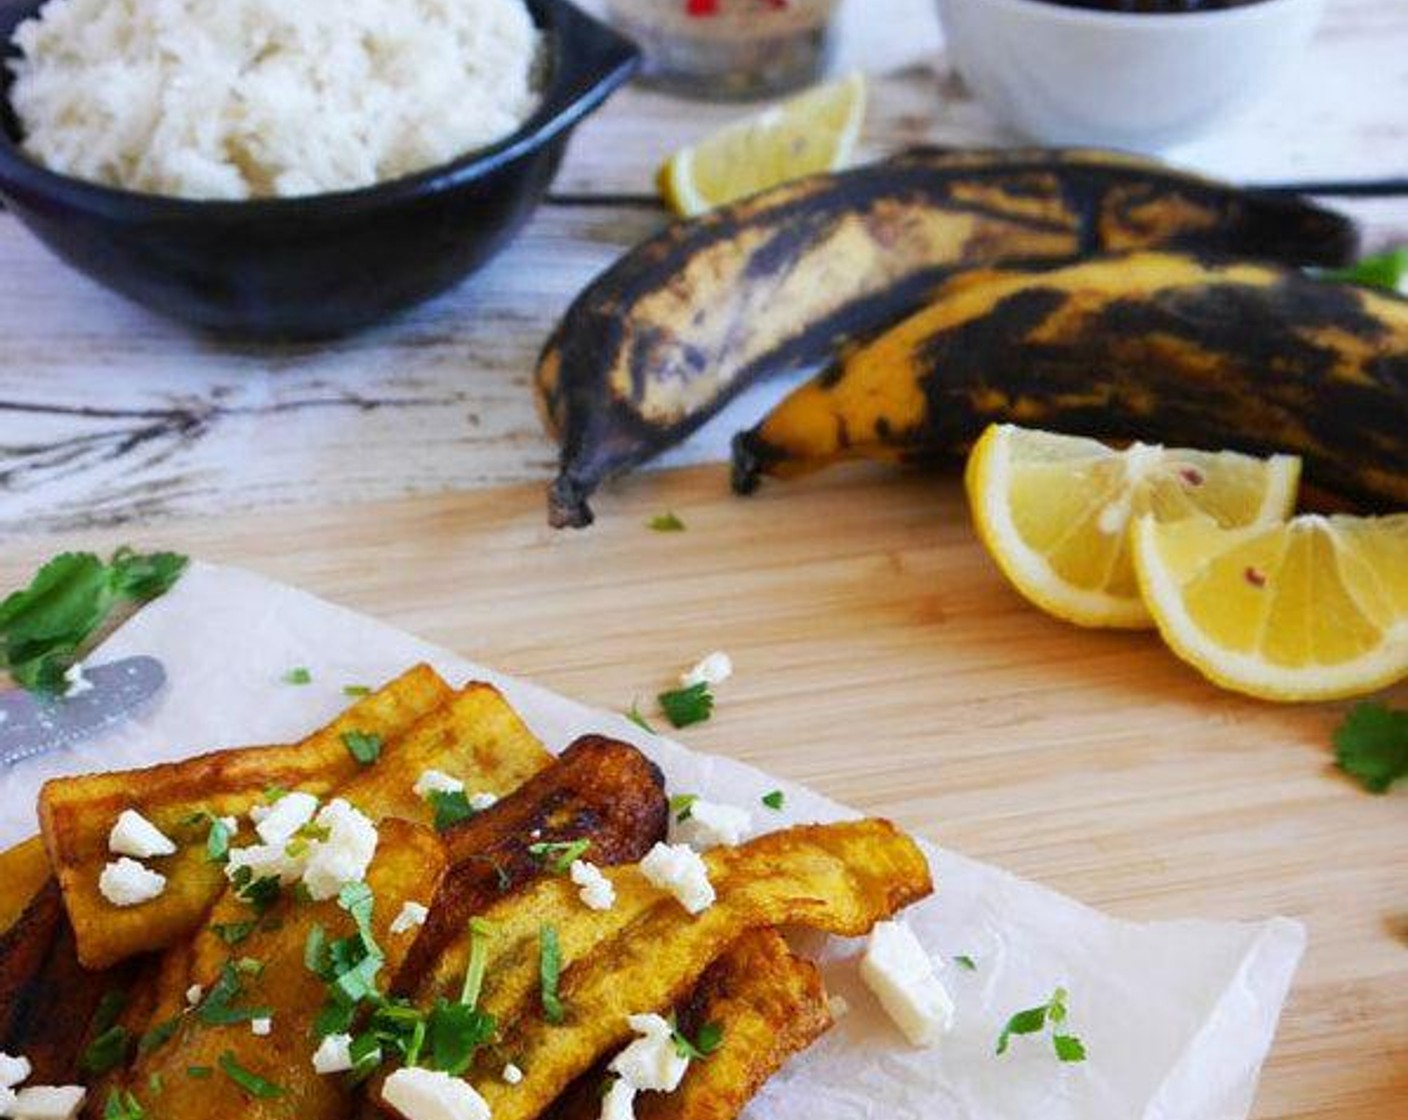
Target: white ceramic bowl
x=1142, y=82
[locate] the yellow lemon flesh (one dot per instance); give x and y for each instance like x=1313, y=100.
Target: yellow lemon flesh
x=1054, y=511
x=812, y=132
x=1314, y=609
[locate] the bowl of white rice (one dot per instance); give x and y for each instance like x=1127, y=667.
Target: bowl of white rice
x=290, y=169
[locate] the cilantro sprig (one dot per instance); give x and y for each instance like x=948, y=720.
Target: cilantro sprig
x=248, y=1080
x=686, y=706
x=1034, y=1020
x=364, y=746
x=706, y=1040
x=1371, y=746
x=1382, y=270
x=558, y=856
x=451, y=807
x=44, y=626
x=550, y=972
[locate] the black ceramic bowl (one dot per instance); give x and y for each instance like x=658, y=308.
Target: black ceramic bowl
x=324, y=264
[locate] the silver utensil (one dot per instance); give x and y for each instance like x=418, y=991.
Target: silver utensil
x=31, y=724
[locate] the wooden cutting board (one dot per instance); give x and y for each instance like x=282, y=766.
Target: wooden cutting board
x=881, y=659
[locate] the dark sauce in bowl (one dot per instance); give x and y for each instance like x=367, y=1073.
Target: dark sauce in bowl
x=1153, y=7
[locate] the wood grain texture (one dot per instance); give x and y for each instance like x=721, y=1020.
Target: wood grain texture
x=881, y=659
x=109, y=415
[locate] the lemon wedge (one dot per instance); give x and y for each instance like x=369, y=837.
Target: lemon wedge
x=1054, y=511
x=1313, y=609
x=812, y=132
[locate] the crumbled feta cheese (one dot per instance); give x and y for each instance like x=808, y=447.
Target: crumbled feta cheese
x=710, y=824
x=652, y=1061
x=230, y=824
x=334, y=1054
x=285, y=817
x=267, y=861
x=899, y=972
x=412, y=916
x=714, y=669
x=481, y=801
x=346, y=853
x=619, y=1103
x=678, y=869
x=7, y=1101
x=597, y=891
x=77, y=683
x=512, y=1074
x=426, y=1094
x=13, y=1070
x=436, y=781
x=193, y=994
x=48, y=1102
x=261, y=1027
x=125, y=882
x=134, y=835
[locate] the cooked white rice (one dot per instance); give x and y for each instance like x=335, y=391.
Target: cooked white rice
x=237, y=99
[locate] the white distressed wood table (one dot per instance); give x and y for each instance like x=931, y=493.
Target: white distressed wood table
x=110, y=415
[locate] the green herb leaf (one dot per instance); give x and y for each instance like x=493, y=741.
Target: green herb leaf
x=217, y=841
x=1382, y=270
x=1371, y=746
x=219, y=1009
x=450, y=808
x=363, y=746
x=682, y=806
x=250, y=1082
x=479, y=933
x=549, y=972
x=639, y=720
x=122, y=1105
x=963, y=960
x=158, y=1036
x=1068, y=1047
x=232, y=933
x=299, y=674
x=259, y=893
x=199, y=1073
x=557, y=856
x=109, y=1008
x=356, y=690
x=454, y=1032
x=106, y=1052
x=774, y=800
x=43, y=626
x=709, y=1038
x=686, y=706
x=666, y=523
x=1030, y=1021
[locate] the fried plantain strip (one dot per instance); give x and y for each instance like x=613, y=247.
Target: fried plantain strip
x=408, y=866
x=767, y=1002
x=24, y=869
x=646, y=952
x=76, y=815
x=600, y=789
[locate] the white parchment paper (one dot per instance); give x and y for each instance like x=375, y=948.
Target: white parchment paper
x=1177, y=1016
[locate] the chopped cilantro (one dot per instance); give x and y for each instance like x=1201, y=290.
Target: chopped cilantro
x=666, y=523
x=260, y=893
x=363, y=746
x=454, y=1032
x=686, y=706
x=315, y=950
x=1382, y=270
x=557, y=856
x=219, y=1009
x=299, y=674
x=1371, y=746
x=1034, y=1020
x=774, y=800
x=451, y=807
x=250, y=1082
x=156, y=1037
x=109, y=1008
x=122, y=1105
x=549, y=972
x=44, y=626
x=964, y=961
x=356, y=690
x=708, y=1039
x=479, y=934
x=639, y=720
x=198, y=1073
x=106, y=1052
x=682, y=806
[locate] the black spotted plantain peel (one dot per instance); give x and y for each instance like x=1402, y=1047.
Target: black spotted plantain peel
x=1159, y=347
x=665, y=337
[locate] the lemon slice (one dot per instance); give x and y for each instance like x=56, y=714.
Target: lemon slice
x=814, y=131
x=1054, y=511
x=1314, y=609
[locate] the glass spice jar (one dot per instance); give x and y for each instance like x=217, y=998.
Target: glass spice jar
x=729, y=49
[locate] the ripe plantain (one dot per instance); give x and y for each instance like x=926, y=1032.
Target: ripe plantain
x=665, y=337
x=1151, y=346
